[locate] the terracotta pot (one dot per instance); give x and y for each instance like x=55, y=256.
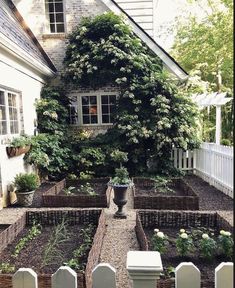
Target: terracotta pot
x=16, y=151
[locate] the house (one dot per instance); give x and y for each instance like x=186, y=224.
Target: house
x=24, y=68
x=48, y=23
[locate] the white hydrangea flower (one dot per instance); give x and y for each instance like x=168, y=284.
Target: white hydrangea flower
x=222, y=232
x=160, y=234
x=156, y=230
x=184, y=236
x=227, y=233
x=182, y=230
x=205, y=236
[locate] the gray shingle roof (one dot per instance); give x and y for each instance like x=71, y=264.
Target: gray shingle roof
x=11, y=28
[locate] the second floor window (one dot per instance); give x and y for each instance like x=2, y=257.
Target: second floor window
x=55, y=14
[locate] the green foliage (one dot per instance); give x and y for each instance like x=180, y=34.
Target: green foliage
x=225, y=243
x=26, y=182
x=184, y=244
x=225, y=142
x=52, y=111
x=69, y=190
x=52, y=253
x=50, y=155
x=159, y=241
x=6, y=268
x=119, y=156
x=121, y=177
x=87, y=189
x=161, y=184
x=207, y=247
x=34, y=231
x=21, y=141
x=152, y=114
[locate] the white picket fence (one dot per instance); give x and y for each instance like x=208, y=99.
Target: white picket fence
x=144, y=268
x=212, y=162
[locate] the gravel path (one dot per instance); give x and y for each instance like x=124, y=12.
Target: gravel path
x=120, y=235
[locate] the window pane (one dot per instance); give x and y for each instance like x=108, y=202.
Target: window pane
x=105, y=109
x=2, y=113
x=3, y=127
x=105, y=119
x=94, y=119
x=86, y=120
x=93, y=110
x=2, y=99
x=93, y=100
x=9, y=99
x=13, y=100
x=85, y=100
x=51, y=7
x=60, y=28
x=59, y=17
x=52, y=27
x=112, y=99
x=85, y=109
x=52, y=18
x=112, y=109
x=104, y=99
x=59, y=7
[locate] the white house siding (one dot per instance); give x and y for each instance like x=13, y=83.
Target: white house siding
x=17, y=76
x=142, y=11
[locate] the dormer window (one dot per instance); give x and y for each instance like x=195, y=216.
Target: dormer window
x=55, y=15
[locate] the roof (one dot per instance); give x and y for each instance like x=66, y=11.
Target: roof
x=15, y=32
x=167, y=60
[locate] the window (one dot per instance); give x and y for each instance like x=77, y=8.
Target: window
x=93, y=109
x=55, y=15
x=9, y=113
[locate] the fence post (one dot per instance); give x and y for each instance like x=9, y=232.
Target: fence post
x=25, y=278
x=187, y=275
x=104, y=275
x=64, y=277
x=144, y=268
x=224, y=275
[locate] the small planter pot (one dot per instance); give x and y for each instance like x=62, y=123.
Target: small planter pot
x=25, y=198
x=120, y=199
x=16, y=151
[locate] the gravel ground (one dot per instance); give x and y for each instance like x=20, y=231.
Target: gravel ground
x=120, y=236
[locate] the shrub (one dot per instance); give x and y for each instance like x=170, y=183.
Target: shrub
x=26, y=182
x=121, y=177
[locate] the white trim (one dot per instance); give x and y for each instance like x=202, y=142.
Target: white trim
x=15, y=50
x=168, y=62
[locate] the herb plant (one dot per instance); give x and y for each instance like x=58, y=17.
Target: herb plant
x=6, y=268
x=26, y=182
x=121, y=177
x=161, y=184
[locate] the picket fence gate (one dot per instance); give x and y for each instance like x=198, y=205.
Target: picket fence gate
x=144, y=268
x=212, y=162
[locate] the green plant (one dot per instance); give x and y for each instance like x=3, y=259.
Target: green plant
x=121, y=177
x=80, y=253
x=184, y=243
x=207, y=246
x=69, y=190
x=51, y=253
x=87, y=189
x=225, y=243
x=159, y=241
x=26, y=182
x=119, y=156
x=161, y=184
x=6, y=268
x=21, y=141
x=225, y=142
x=34, y=231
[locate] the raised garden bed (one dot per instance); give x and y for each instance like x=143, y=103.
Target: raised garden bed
x=34, y=254
x=170, y=222
x=58, y=196
x=147, y=197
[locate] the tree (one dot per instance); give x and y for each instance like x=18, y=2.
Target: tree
x=152, y=114
x=206, y=45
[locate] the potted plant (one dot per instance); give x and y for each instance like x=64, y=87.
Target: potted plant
x=120, y=183
x=25, y=184
x=18, y=146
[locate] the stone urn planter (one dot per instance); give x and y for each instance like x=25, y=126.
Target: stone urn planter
x=25, y=198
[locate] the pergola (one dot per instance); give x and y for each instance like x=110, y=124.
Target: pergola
x=213, y=99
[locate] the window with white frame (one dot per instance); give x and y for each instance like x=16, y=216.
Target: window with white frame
x=93, y=109
x=9, y=112
x=55, y=15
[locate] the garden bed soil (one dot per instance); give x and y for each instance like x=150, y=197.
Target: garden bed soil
x=55, y=196
x=147, y=197
x=170, y=222
x=32, y=254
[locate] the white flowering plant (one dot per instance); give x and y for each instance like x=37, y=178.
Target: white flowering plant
x=207, y=246
x=225, y=243
x=184, y=243
x=159, y=241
